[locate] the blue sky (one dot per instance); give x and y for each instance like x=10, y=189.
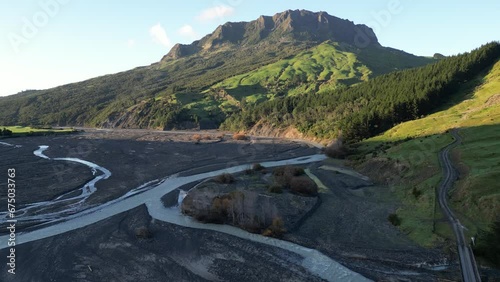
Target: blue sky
x=46, y=43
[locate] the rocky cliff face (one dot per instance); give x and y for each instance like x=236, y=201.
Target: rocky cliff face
x=297, y=25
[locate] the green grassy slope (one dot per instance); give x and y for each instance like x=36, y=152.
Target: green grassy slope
x=22, y=131
x=369, y=108
x=325, y=67
x=178, y=90
x=172, y=92
x=95, y=101
x=414, y=145
x=324, y=64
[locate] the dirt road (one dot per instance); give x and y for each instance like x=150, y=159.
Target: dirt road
x=468, y=265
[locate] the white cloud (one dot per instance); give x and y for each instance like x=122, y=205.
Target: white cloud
x=215, y=12
x=131, y=43
x=160, y=35
x=188, y=31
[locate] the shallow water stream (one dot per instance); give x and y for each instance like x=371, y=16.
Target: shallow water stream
x=71, y=218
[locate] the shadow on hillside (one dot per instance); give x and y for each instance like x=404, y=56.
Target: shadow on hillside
x=243, y=91
x=410, y=166
x=466, y=90
x=485, y=133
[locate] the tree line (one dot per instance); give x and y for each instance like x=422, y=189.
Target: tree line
x=5, y=132
x=369, y=108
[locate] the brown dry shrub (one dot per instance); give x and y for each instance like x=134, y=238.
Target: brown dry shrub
x=143, y=233
x=276, y=229
x=221, y=209
x=288, y=170
x=283, y=175
x=196, y=137
x=303, y=185
x=217, y=212
x=224, y=178
x=239, y=136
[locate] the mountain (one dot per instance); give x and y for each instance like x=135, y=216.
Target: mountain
x=291, y=53
x=286, y=27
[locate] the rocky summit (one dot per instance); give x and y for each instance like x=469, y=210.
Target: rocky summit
x=288, y=26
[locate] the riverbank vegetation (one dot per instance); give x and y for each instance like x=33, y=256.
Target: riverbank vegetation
x=17, y=131
x=260, y=200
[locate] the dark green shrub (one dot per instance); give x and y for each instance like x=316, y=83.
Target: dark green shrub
x=6, y=132
x=258, y=167
x=394, y=219
x=275, y=188
x=416, y=193
x=336, y=152
x=488, y=244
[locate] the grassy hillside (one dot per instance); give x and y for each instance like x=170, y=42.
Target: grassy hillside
x=203, y=83
x=323, y=65
x=322, y=68
x=14, y=131
x=178, y=87
x=103, y=100
x=369, y=108
x=407, y=156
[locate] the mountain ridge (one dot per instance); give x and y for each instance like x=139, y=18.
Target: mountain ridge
x=299, y=25
x=176, y=92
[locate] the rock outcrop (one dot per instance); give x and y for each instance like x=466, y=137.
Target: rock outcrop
x=288, y=26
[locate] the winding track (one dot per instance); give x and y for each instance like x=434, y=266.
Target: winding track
x=468, y=265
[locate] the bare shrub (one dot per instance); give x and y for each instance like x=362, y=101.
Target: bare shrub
x=224, y=178
x=143, y=233
x=288, y=170
x=283, y=175
x=282, y=180
x=196, y=137
x=303, y=185
x=217, y=212
x=276, y=229
x=239, y=136
x=222, y=208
